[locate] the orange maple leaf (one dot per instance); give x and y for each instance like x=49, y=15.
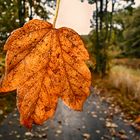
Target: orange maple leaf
x=43, y=64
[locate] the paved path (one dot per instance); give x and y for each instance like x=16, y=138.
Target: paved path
x=98, y=121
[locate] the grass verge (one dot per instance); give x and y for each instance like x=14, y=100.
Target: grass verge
x=123, y=84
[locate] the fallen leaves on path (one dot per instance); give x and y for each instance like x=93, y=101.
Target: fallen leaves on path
x=137, y=121
x=43, y=64
x=86, y=136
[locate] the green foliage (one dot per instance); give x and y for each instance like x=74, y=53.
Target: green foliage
x=14, y=13
x=40, y=10
x=88, y=42
x=8, y=18
x=130, y=32
x=132, y=35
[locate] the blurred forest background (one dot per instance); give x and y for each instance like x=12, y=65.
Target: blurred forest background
x=113, y=45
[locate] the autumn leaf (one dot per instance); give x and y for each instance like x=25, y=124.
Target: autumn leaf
x=43, y=64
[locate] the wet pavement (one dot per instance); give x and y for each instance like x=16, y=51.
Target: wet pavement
x=99, y=120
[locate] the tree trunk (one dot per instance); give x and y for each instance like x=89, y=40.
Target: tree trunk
x=111, y=18
x=99, y=46
x=31, y=12
x=106, y=20
x=97, y=41
x=21, y=12
x=101, y=14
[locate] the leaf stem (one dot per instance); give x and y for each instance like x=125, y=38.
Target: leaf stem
x=56, y=12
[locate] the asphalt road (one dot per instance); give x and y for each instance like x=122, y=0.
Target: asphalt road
x=99, y=120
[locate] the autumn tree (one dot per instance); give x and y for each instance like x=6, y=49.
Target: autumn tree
x=32, y=8
x=102, y=25
x=130, y=28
